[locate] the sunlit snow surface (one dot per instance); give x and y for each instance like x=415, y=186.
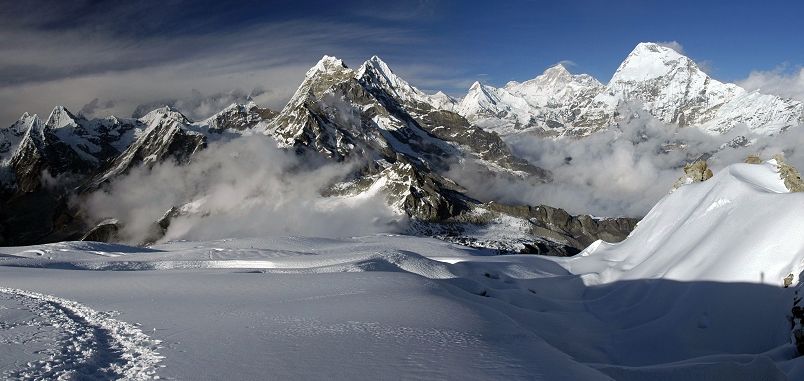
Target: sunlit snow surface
x=694, y=293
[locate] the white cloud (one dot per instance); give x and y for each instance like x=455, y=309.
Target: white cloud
x=675, y=45
x=622, y=171
x=243, y=188
x=781, y=82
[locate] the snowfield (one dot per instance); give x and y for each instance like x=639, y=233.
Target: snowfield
x=694, y=293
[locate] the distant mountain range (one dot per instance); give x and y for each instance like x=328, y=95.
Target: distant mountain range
x=668, y=85
x=406, y=140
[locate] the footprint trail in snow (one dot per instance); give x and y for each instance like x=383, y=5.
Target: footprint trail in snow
x=55, y=338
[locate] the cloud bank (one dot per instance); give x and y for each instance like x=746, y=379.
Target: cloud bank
x=243, y=188
x=623, y=171
x=780, y=81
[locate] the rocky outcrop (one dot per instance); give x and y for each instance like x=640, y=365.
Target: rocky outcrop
x=753, y=159
x=166, y=136
x=694, y=172
x=576, y=232
x=239, y=117
x=105, y=231
x=487, y=146
x=789, y=174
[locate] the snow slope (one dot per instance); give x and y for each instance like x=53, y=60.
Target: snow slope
x=740, y=226
x=694, y=293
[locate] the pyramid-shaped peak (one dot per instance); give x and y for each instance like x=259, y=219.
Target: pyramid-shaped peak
x=557, y=73
x=375, y=72
x=60, y=110
x=478, y=90
x=60, y=117
x=557, y=69
x=650, y=60
x=376, y=64
x=377, y=61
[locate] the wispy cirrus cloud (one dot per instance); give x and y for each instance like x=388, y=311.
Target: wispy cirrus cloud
x=131, y=55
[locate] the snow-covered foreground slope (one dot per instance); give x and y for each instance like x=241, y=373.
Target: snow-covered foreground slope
x=683, y=298
x=740, y=226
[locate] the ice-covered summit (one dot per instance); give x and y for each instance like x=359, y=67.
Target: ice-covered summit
x=60, y=117
x=327, y=64
x=669, y=85
x=650, y=60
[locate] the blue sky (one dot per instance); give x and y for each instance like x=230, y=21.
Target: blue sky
x=105, y=57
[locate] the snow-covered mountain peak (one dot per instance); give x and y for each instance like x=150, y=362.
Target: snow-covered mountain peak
x=557, y=71
x=649, y=60
x=546, y=103
x=60, y=117
x=476, y=92
x=320, y=77
x=376, y=72
x=444, y=98
x=25, y=121
x=377, y=75
x=11, y=136
x=327, y=65
x=167, y=113
x=376, y=64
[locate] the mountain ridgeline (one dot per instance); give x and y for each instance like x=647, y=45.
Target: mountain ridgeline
x=670, y=86
x=403, y=140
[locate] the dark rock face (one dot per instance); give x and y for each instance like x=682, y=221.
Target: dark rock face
x=165, y=138
x=576, y=232
x=106, y=231
x=48, y=160
x=239, y=117
x=374, y=116
x=426, y=196
x=452, y=127
x=789, y=174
